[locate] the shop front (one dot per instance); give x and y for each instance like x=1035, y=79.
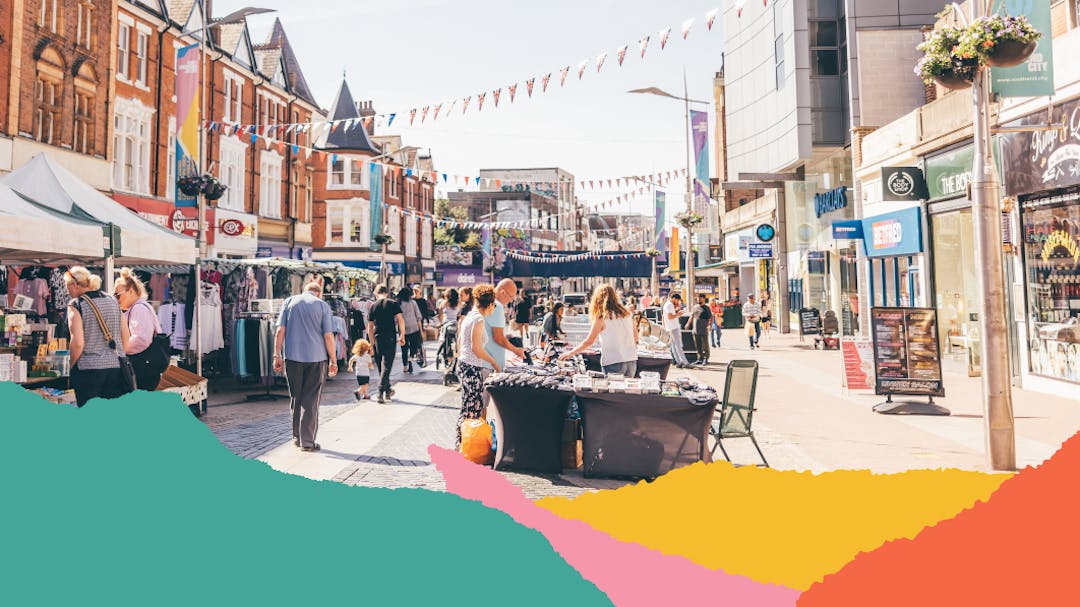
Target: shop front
x=1043, y=172
x=822, y=270
x=234, y=235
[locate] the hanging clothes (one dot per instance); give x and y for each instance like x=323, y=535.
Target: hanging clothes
x=159, y=287
x=171, y=318
x=210, y=331
x=38, y=290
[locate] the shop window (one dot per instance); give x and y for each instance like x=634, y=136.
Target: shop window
x=233, y=171
x=48, y=95
x=270, y=185
x=84, y=27
x=49, y=17
x=131, y=146
x=123, y=52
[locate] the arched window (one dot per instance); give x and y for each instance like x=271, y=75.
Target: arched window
x=48, y=96
x=85, y=102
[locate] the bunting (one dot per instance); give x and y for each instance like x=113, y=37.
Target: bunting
x=644, y=45
x=686, y=25
x=562, y=75
x=621, y=53
x=438, y=108
x=600, y=61
x=495, y=96
x=710, y=17
x=513, y=91
x=529, y=86
x=581, y=68
x=465, y=104
x=424, y=114
x=664, y=37
x=480, y=101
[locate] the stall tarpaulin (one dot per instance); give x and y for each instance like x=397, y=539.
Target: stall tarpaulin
x=47, y=183
x=38, y=234
x=625, y=264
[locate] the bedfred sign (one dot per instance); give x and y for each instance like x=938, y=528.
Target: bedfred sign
x=893, y=234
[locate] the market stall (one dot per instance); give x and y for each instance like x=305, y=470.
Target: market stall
x=647, y=361
x=528, y=424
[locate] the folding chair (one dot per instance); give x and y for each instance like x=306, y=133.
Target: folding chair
x=736, y=413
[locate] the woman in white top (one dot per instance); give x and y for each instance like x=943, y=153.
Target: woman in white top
x=614, y=326
x=452, y=308
x=474, y=362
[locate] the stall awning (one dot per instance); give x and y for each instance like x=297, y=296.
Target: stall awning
x=35, y=234
x=715, y=270
x=47, y=183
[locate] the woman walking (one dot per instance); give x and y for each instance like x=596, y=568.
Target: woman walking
x=613, y=325
x=96, y=346
x=414, y=322
x=451, y=308
x=142, y=325
x=474, y=363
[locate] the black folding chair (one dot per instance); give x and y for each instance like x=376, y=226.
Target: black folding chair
x=736, y=414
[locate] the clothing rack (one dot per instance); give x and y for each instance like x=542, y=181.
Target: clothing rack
x=266, y=394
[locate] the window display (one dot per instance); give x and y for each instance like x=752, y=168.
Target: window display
x=1052, y=264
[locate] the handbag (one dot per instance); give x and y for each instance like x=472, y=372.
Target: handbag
x=155, y=358
x=127, y=372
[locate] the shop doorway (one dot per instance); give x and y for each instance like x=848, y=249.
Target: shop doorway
x=956, y=289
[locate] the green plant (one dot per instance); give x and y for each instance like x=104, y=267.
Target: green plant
x=652, y=252
x=689, y=219
x=383, y=239
x=939, y=58
x=979, y=39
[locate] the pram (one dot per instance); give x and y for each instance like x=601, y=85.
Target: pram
x=446, y=354
x=830, y=332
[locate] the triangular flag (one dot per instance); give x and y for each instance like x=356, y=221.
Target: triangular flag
x=686, y=25
x=451, y=107
x=609, y=184
x=495, y=96
x=368, y=121
x=444, y=177
x=562, y=75
x=663, y=37
x=711, y=16
x=477, y=181
x=600, y=61
x=480, y=101
x=412, y=117
x=644, y=45
x=391, y=121
x=513, y=91
x=423, y=116
x=529, y=85
x=465, y=104
x=581, y=68
x=438, y=108
x=621, y=54
x=544, y=81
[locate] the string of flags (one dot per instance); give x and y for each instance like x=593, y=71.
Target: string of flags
x=538, y=257
x=445, y=109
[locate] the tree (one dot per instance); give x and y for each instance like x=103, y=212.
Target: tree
x=454, y=235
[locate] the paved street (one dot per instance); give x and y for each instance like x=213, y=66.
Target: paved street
x=805, y=421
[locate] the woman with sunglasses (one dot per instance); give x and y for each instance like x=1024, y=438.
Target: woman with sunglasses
x=95, y=359
x=142, y=324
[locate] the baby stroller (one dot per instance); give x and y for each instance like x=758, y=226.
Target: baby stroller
x=445, y=355
x=830, y=332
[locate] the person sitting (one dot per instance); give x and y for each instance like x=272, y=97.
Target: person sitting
x=552, y=329
x=613, y=326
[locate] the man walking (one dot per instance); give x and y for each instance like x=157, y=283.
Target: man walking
x=304, y=348
x=751, y=312
x=700, y=322
x=674, y=327
x=717, y=321
x=387, y=327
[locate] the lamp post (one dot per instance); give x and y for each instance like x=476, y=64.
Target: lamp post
x=986, y=209
x=689, y=173
x=200, y=241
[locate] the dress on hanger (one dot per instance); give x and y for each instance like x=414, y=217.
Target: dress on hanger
x=210, y=330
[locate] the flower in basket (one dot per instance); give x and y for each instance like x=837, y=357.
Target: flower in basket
x=190, y=185
x=999, y=40
x=689, y=219
x=212, y=188
x=652, y=252
x=384, y=239
x=940, y=56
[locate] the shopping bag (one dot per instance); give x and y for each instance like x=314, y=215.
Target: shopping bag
x=476, y=441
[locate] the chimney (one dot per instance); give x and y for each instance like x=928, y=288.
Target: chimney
x=367, y=109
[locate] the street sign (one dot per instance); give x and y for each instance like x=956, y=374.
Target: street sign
x=765, y=232
x=760, y=250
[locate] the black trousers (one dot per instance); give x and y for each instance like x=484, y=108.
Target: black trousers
x=701, y=344
x=96, y=383
x=414, y=346
x=385, y=351
x=306, y=381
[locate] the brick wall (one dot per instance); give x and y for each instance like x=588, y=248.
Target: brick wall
x=6, y=10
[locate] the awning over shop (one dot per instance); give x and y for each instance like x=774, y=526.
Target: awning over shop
x=49, y=184
x=35, y=234
x=715, y=270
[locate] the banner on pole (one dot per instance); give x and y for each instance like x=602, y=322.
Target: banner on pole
x=1034, y=77
x=699, y=126
x=376, y=202
x=188, y=104
x=661, y=213
x=673, y=255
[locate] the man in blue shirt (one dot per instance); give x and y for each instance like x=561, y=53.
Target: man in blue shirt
x=304, y=347
x=498, y=343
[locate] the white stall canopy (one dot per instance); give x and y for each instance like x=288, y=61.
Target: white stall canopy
x=33, y=234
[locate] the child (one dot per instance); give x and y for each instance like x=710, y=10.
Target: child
x=362, y=363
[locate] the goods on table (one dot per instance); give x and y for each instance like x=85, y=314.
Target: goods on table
x=53, y=395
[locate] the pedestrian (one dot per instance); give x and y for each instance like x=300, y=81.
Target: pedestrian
x=498, y=344
x=95, y=326
x=426, y=309
x=674, y=328
x=523, y=317
x=766, y=313
x=700, y=324
x=451, y=308
x=362, y=364
x=751, y=312
x=386, y=325
x=142, y=324
x=552, y=327
x=304, y=347
x=647, y=300
x=413, y=347
x=466, y=301
x=717, y=322
x=474, y=362
x=613, y=325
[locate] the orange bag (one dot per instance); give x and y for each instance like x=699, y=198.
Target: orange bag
x=476, y=441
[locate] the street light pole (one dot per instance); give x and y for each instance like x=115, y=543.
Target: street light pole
x=986, y=203
x=689, y=197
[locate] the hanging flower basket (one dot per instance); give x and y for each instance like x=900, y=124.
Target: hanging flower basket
x=384, y=239
x=651, y=252
x=999, y=40
x=190, y=185
x=689, y=219
x=959, y=76
x=212, y=188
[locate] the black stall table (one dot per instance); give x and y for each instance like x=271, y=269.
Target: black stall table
x=528, y=427
x=642, y=435
x=656, y=364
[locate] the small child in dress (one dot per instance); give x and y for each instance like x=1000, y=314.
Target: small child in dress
x=362, y=363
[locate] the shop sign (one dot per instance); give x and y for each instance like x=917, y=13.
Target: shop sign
x=1035, y=76
x=830, y=201
x=1063, y=239
x=461, y=277
x=1043, y=160
x=760, y=250
x=263, y=252
x=716, y=252
x=849, y=229
x=902, y=184
x=893, y=234
x=181, y=223
x=765, y=232
x=232, y=227
x=907, y=356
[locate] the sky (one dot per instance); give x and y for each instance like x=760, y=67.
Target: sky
x=405, y=54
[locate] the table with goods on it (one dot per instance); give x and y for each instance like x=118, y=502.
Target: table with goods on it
x=32, y=356
x=556, y=415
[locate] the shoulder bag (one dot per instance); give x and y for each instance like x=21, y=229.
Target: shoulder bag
x=155, y=358
x=127, y=372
